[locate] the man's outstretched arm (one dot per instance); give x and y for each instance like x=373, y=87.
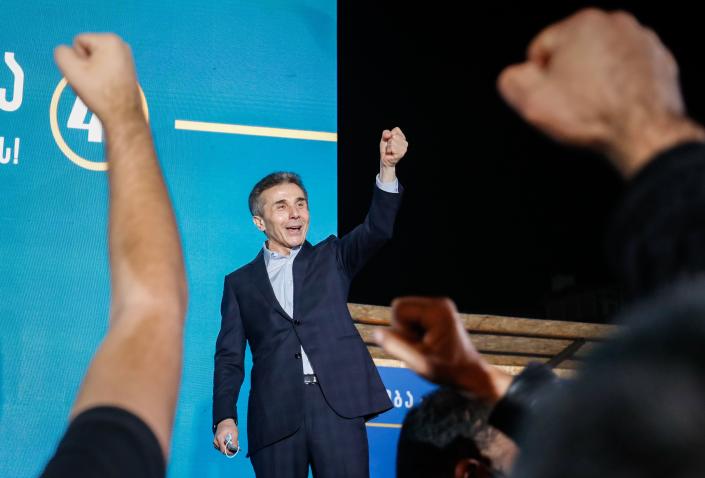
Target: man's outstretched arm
x=604, y=81
x=138, y=366
x=428, y=335
x=358, y=245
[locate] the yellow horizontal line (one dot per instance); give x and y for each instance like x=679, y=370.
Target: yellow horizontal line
x=384, y=425
x=255, y=130
x=391, y=363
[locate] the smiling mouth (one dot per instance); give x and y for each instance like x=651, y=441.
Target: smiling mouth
x=294, y=228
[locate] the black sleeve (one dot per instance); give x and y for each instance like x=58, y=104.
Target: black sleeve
x=360, y=244
x=229, y=368
x=107, y=442
x=657, y=234
x=523, y=396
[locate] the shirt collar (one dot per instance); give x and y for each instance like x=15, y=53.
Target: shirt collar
x=271, y=255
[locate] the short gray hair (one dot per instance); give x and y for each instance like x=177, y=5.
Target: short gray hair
x=269, y=181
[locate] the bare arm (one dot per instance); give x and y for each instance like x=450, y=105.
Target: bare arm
x=604, y=81
x=138, y=366
x=427, y=334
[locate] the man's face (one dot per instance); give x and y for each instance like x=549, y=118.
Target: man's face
x=284, y=217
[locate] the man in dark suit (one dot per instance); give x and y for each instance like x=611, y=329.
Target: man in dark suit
x=313, y=382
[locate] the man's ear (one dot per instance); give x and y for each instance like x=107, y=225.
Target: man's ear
x=259, y=222
x=471, y=468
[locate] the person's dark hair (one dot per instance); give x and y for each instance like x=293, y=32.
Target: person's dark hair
x=271, y=180
x=445, y=428
x=638, y=409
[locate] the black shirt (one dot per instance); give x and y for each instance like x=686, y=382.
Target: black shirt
x=107, y=442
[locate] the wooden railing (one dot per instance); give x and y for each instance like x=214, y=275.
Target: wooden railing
x=508, y=342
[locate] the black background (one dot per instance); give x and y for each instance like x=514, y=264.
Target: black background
x=495, y=216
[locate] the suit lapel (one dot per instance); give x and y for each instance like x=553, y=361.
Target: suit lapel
x=301, y=263
x=261, y=280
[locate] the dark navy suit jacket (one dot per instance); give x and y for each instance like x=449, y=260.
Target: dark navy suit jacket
x=322, y=324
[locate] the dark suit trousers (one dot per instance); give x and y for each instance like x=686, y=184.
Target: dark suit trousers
x=336, y=447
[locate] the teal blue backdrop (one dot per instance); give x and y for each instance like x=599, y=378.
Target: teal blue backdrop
x=264, y=63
